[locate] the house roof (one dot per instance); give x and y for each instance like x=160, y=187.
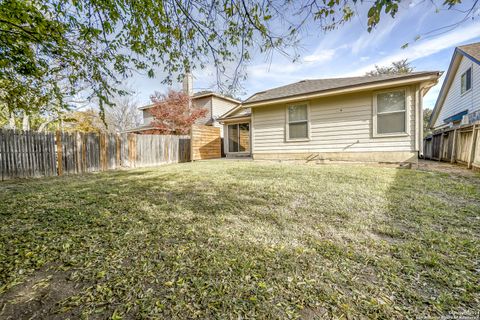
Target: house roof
x=199, y=95
x=324, y=85
x=202, y=94
x=232, y=113
x=142, y=127
x=470, y=51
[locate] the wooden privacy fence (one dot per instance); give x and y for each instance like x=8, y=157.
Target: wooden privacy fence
x=151, y=150
x=455, y=145
x=206, y=142
x=26, y=154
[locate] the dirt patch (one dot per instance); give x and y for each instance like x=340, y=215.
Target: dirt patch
x=314, y=313
x=38, y=297
x=453, y=169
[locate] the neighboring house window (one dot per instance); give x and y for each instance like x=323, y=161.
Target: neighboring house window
x=466, y=80
x=297, y=122
x=390, y=112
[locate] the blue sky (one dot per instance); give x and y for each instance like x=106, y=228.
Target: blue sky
x=351, y=51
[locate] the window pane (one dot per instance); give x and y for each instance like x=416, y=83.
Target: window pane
x=297, y=113
x=463, y=83
x=469, y=79
x=298, y=130
x=391, y=101
x=391, y=123
x=244, y=132
x=233, y=138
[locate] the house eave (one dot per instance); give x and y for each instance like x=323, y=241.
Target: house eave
x=235, y=119
x=229, y=112
x=138, y=129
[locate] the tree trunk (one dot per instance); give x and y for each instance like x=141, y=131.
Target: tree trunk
x=11, y=121
x=26, y=122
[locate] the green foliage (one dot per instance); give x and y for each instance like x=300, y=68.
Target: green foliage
x=54, y=49
x=397, y=67
x=388, y=6
x=427, y=114
x=229, y=239
x=88, y=121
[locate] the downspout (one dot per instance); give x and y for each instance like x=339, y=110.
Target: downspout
x=415, y=110
x=252, y=137
x=420, y=122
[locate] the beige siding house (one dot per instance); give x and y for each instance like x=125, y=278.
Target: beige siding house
x=372, y=118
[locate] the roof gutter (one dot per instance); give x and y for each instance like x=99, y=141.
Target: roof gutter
x=234, y=119
x=345, y=90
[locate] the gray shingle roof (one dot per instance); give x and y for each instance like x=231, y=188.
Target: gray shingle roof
x=319, y=85
x=472, y=50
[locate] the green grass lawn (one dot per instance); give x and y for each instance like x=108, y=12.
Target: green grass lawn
x=225, y=239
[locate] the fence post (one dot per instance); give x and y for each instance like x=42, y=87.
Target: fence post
x=454, y=147
x=132, y=149
x=472, y=147
x=191, y=143
x=440, y=149
x=101, y=138
x=118, y=150
x=58, y=141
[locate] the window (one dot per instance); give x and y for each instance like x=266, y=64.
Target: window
x=466, y=81
x=390, y=113
x=239, y=137
x=297, y=122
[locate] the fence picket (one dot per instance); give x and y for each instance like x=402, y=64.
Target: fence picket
x=460, y=145
x=32, y=154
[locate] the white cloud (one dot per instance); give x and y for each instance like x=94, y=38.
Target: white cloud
x=374, y=38
x=320, y=57
x=286, y=71
x=425, y=48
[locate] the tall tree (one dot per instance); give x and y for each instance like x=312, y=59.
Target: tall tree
x=47, y=46
x=174, y=113
x=427, y=114
x=397, y=67
x=123, y=115
x=87, y=121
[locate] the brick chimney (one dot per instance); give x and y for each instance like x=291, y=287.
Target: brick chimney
x=188, y=84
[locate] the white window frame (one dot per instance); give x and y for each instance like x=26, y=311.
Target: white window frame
x=471, y=81
x=407, y=114
x=287, y=122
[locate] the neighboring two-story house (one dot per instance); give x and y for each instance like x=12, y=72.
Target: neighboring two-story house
x=215, y=103
x=459, y=99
